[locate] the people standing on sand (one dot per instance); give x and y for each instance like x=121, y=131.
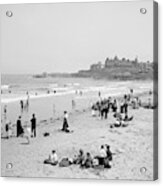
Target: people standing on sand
x=114, y=106
x=7, y=129
x=122, y=106
x=33, y=126
x=54, y=110
x=73, y=104
x=5, y=112
x=106, y=110
x=21, y=105
x=19, y=127
x=125, y=106
x=65, y=122
x=109, y=103
x=27, y=102
x=99, y=94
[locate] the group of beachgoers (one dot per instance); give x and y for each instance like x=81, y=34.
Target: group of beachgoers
x=119, y=109
x=20, y=130
x=24, y=105
x=31, y=130
x=84, y=160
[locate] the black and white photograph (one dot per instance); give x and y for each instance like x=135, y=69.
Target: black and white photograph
x=79, y=90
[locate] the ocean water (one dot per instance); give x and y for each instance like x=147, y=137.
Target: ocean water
x=15, y=87
x=43, y=99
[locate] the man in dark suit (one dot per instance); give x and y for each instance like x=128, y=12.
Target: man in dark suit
x=33, y=126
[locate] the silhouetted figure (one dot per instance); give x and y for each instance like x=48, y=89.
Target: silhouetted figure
x=65, y=122
x=5, y=112
x=114, y=106
x=33, y=126
x=20, y=130
x=21, y=105
x=109, y=153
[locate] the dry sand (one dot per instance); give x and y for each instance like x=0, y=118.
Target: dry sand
x=133, y=147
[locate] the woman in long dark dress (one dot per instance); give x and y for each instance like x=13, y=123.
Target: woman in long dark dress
x=19, y=127
x=65, y=122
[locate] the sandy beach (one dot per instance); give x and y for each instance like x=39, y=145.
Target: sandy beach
x=132, y=146
x=79, y=90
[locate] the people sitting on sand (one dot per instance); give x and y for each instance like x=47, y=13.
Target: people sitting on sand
x=102, y=155
x=79, y=159
x=108, y=152
x=120, y=121
x=27, y=134
x=149, y=104
x=53, y=158
x=135, y=103
x=127, y=118
x=93, y=111
x=105, y=157
x=65, y=127
x=19, y=127
x=108, y=158
x=88, y=161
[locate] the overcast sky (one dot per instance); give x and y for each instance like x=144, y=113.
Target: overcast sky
x=69, y=37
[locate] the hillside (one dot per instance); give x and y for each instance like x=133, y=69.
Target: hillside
x=123, y=69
